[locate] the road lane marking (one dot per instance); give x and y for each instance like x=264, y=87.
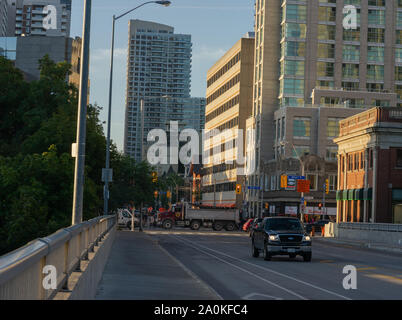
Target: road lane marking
x=270, y=270
x=327, y=261
x=367, y=268
x=384, y=277
x=249, y=297
x=246, y=271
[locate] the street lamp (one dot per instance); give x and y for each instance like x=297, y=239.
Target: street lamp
x=81, y=118
x=283, y=143
x=107, y=170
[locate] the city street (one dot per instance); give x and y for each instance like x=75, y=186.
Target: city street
x=223, y=261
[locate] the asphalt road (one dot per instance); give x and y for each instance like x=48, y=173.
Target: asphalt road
x=223, y=261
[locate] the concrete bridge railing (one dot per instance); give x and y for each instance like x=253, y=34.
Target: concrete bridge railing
x=386, y=233
x=23, y=271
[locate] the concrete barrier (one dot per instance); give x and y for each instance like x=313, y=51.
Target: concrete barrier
x=22, y=272
x=390, y=234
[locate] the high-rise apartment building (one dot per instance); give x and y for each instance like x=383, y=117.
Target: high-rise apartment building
x=229, y=101
x=7, y=17
x=305, y=56
x=158, y=72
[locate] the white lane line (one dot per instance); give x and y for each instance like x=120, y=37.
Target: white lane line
x=270, y=270
x=244, y=270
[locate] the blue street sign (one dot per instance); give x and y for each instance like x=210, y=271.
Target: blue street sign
x=297, y=177
x=253, y=188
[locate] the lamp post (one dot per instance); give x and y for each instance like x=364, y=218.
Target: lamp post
x=107, y=170
x=81, y=118
x=302, y=173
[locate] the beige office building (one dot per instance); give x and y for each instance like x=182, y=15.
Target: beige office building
x=229, y=101
x=305, y=57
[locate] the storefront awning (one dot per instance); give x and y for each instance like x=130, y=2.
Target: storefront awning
x=351, y=194
x=339, y=195
x=345, y=195
x=359, y=194
x=368, y=194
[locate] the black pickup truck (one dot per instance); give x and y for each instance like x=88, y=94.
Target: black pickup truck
x=281, y=236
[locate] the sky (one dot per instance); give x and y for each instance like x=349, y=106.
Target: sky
x=215, y=26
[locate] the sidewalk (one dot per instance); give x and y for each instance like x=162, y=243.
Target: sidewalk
x=139, y=269
x=378, y=246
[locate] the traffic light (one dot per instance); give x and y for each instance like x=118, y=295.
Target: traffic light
x=326, y=186
x=266, y=205
x=238, y=188
x=169, y=194
x=284, y=181
x=320, y=206
x=154, y=177
x=156, y=194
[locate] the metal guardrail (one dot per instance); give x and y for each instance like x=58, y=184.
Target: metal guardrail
x=21, y=271
x=371, y=226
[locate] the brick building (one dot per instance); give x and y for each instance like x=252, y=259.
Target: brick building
x=370, y=167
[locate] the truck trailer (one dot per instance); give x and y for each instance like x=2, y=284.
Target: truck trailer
x=185, y=215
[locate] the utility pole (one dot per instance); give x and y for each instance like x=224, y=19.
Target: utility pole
x=82, y=114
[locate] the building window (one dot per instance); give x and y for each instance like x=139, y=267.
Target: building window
x=399, y=158
x=350, y=71
x=350, y=86
x=300, y=151
x=380, y=103
x=333, y=182
x=351, y=34
x=333, y=127
x=326, y=32
x=313, y=181
x=301, y=127
x=375, y=72
x=325, y=69
x=376, y=3
x=331, y=153
x=376, y=17
x=296, y=12
x=326, y=51
x=293, y=49
x=376, y=35
x=294, y=30
x=292, y=86
x=371, y=158
x=398, y=36
x=351, y=53
x=375, y=54
x=327, y=14
x=292, y=68
x=398, y=73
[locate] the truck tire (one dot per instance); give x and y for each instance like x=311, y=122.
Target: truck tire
x=167, y=224
x=267, y=255
x=230, y=226
x=195, y=225
x=218, y=226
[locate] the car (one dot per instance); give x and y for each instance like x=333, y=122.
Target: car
x=281, y=236
x=247, y=225
x=254, y=225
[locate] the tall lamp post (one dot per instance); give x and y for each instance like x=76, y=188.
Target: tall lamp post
x=81, y=118
x=107, y=175
x=302, y=173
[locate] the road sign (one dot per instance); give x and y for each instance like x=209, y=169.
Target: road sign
x=303, y=185
x=297, y=177
x=253, y=188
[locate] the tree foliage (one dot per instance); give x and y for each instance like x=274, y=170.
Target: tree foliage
x=38, y=123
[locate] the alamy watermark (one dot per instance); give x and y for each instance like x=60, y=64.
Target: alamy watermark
x=50, y=20
x=228, y=144
x=350, y=281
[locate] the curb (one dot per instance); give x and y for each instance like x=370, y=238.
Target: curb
x=368, y=246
